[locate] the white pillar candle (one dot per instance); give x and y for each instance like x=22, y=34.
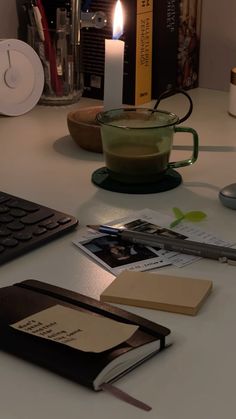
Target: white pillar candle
x=114, y=64
x=113, y=82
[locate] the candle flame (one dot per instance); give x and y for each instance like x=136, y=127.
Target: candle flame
x=118, y=22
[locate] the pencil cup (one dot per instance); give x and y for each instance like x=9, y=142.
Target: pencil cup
x=61, y=64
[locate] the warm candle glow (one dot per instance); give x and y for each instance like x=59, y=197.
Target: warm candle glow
x=118, y=22
x=114, y=63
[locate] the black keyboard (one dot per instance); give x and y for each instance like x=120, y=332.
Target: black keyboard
x=25, y=225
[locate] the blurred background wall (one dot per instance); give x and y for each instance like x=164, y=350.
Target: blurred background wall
x=218, y=43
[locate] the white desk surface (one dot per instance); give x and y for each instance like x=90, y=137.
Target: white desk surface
x=196, y=377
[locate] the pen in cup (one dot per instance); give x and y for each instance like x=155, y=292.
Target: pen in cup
x=75, y=21
x=50, y=51
x=61, y=46
x=53, y=30
x=38, y=21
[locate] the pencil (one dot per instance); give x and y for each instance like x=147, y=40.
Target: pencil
x=211, y=251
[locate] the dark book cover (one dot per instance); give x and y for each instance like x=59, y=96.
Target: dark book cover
x=23, y=299
x=165, y=45
x=189, y=43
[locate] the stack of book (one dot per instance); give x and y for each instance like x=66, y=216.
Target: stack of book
x=162, y=40
x=138, y=21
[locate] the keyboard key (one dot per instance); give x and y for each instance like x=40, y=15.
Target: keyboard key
x=39, y=231
x=45, y=222
x=16, y=212
x=9, y=242
x=4, y=232
x=3, y=209
x=64, y=220
x=38, y=216
x=4, y=198
x=6, y=218
x=52, y=225
x=16, y=226
x=24, y=205
x=23, y=235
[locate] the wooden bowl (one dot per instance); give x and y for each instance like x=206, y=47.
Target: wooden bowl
x=84, y=128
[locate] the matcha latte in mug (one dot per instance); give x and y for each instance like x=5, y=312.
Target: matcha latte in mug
x=137, y=143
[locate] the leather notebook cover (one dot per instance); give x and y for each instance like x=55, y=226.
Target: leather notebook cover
x=26, y=298
x=157, y=291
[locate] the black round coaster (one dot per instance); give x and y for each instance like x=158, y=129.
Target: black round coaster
x=170, y=180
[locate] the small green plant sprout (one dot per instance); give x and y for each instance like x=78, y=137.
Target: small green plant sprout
x=193, y=216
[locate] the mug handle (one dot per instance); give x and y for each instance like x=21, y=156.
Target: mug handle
x=194, y=156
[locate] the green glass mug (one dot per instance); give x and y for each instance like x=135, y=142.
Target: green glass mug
x=137, y=143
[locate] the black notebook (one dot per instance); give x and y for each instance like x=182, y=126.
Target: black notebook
x=22, y=300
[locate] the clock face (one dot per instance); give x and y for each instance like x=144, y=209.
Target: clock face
x=21, y=77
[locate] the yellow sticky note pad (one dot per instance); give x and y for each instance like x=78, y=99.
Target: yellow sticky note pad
x=157, y=291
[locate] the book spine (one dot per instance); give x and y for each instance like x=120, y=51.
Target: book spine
x=143, y=76
x=138, y=51
x=189, y=43
x=165, y=45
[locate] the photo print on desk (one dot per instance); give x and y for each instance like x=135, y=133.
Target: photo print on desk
x=115, y=252
x=118, y=255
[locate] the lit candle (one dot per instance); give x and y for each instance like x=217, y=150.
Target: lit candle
x=114, y=63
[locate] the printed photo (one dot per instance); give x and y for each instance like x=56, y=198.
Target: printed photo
x=117, y=255
x=116, y=252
